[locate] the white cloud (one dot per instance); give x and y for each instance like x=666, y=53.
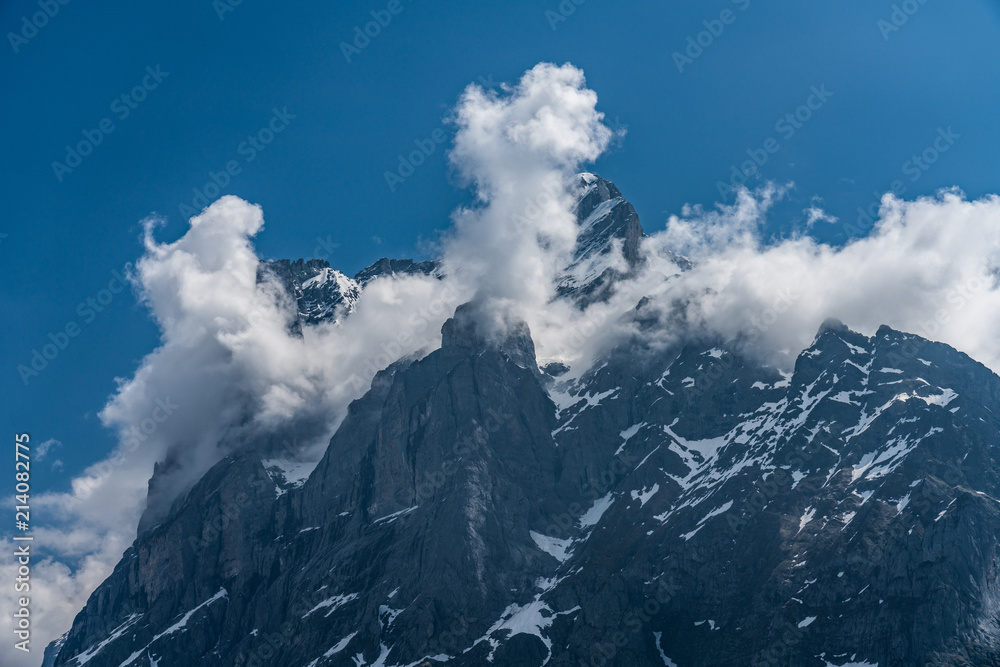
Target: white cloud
x=227, y=374
x=43, y=449
x=815, y=214
x=59, y=589
x=520, y=148
x=929, y=267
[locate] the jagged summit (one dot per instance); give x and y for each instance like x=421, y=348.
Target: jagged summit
x=322, y=293
x=603, y=215
x=609, y=243
x=477, y=326
x=831, y=324
x=608, y=250
x=463, y=510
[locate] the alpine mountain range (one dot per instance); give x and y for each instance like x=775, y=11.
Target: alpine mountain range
x=679, y=505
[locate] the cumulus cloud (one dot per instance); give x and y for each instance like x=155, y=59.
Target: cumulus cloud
x=929, y=267
x=521, y=149
x=815, y=214
x=60, y=586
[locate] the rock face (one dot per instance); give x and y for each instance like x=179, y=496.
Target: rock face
x=681, y=506
x=603, y=214
x=608, y=244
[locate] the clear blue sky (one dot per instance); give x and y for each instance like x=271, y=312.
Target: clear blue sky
x=322, y=176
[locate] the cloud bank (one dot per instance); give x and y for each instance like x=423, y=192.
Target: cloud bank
x=929, y=267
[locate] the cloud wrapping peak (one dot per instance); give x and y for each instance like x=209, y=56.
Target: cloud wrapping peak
x=520, y=149
x=228, y=375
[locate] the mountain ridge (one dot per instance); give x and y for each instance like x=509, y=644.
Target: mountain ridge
x=678, y=505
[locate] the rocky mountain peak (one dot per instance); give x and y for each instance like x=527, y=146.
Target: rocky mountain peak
x=604, y=215
x=608, y=245
x=478, y=326
x=831, y=324
x=324, y=294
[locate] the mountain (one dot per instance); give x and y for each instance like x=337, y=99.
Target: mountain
x=679, y=505
x=608, y=243
x=322, y=293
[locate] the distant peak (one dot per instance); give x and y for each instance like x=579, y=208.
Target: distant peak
x=832, y=328
x=388, y=267
x=296, y=265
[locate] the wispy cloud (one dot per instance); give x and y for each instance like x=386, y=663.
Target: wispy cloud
x=42, y=450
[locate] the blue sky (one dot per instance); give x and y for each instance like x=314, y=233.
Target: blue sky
x=321, y=180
